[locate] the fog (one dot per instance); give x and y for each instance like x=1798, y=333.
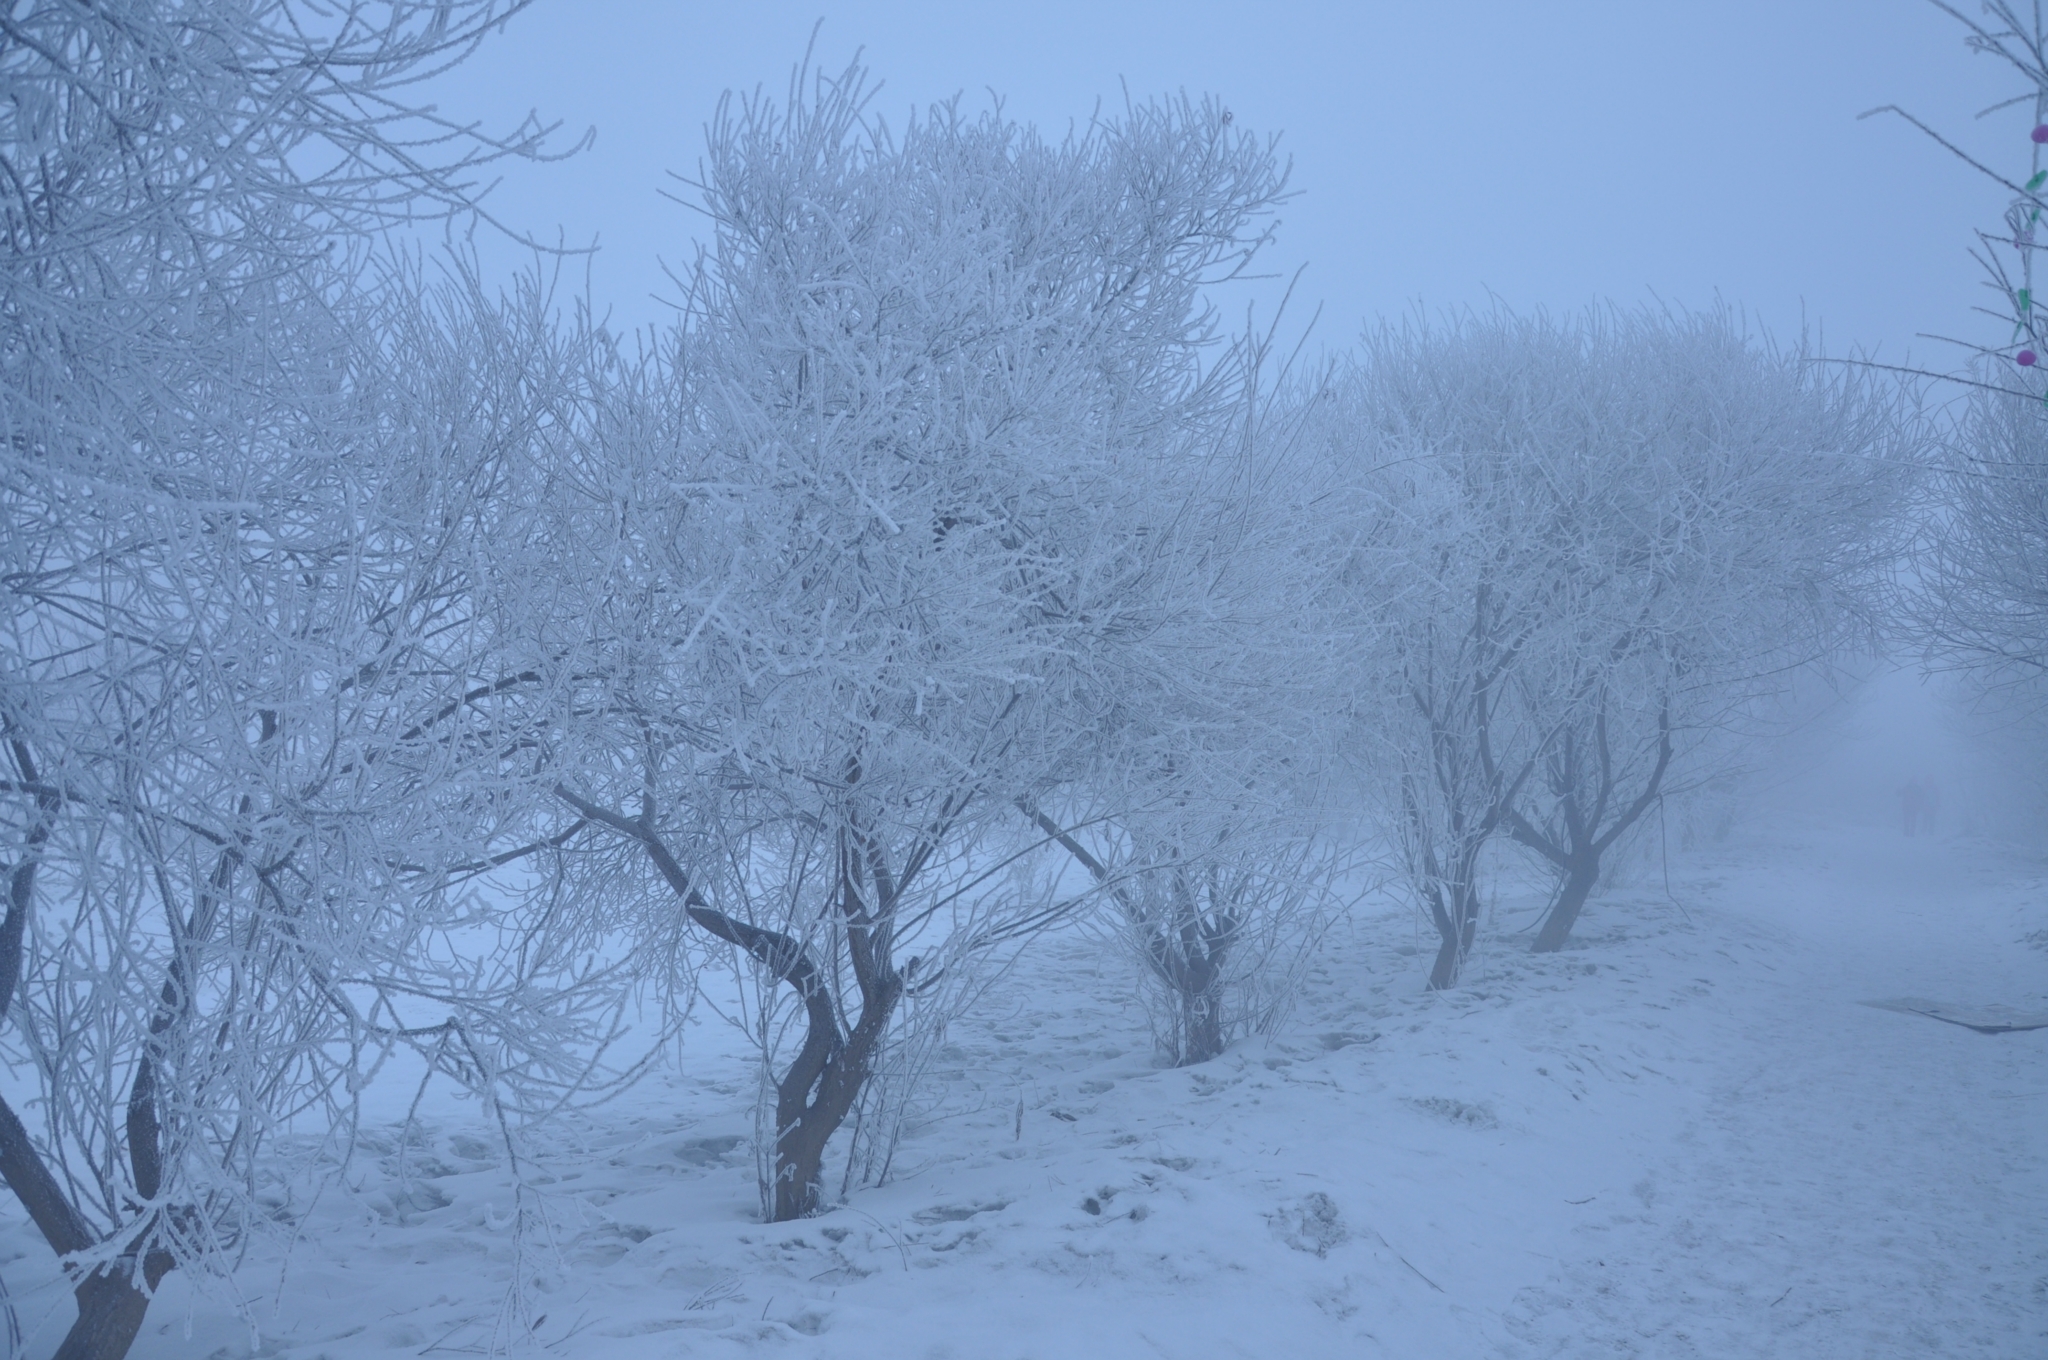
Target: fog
x=1005, y=683
x=1549, y=155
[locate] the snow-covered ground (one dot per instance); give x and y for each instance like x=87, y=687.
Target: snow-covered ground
x=1681, y=1137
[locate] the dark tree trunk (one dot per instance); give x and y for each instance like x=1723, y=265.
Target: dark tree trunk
x=1455, y=910
x=1186, y=940
x=1452, y=894
x=817, y=1092
x=799, y=1170
x=1202, y=1020
x=110, y=1306
x=1586, y=822
x=1188, y=954
x=110, y=1310
x=805, y=1122
x=1572, y=893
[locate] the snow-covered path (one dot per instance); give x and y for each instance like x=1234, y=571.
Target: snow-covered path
x=1844, y=1181
x=1681, y=1137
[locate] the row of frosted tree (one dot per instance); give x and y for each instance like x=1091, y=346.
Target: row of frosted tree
x=394, y=664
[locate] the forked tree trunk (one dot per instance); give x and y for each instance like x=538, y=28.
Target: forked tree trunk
x=1190, y=963
x=814, y=1098
x=1187, y=952
x=1451, y=891
x=816, y=1093
x=1587, y=823
x=111, y=1306
x=818, y=1090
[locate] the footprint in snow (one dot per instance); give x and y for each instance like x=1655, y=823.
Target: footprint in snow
x=1471, y=1116
x=708, y=1152
x=956, y=1213
x=1311, y=1223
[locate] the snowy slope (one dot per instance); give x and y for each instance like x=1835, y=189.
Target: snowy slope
x=1681, y=1137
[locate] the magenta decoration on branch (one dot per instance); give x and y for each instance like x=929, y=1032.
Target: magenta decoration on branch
x=2040, y=132
x=2025, y=358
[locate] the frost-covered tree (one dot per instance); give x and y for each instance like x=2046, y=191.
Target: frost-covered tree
x=255, y=745
x=872, y=517
x=166, y=172
x=251, y=741
x=1981, y=601
x=1975, y=600
x=1217, y=900
x=225, y=764
x=1629, y=529
x=1724, y=515
x=1199, y=810
x=1439, y=593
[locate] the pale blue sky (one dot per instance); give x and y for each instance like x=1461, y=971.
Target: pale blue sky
x=1552, y=153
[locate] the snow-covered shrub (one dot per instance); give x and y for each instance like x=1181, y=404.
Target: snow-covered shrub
x=1197, y=806
x=1218, y=925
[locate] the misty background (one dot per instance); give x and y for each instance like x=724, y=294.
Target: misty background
x=1549, y=154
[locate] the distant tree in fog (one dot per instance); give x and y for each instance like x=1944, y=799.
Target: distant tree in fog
x=1623, y=531
x=1437, y=606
